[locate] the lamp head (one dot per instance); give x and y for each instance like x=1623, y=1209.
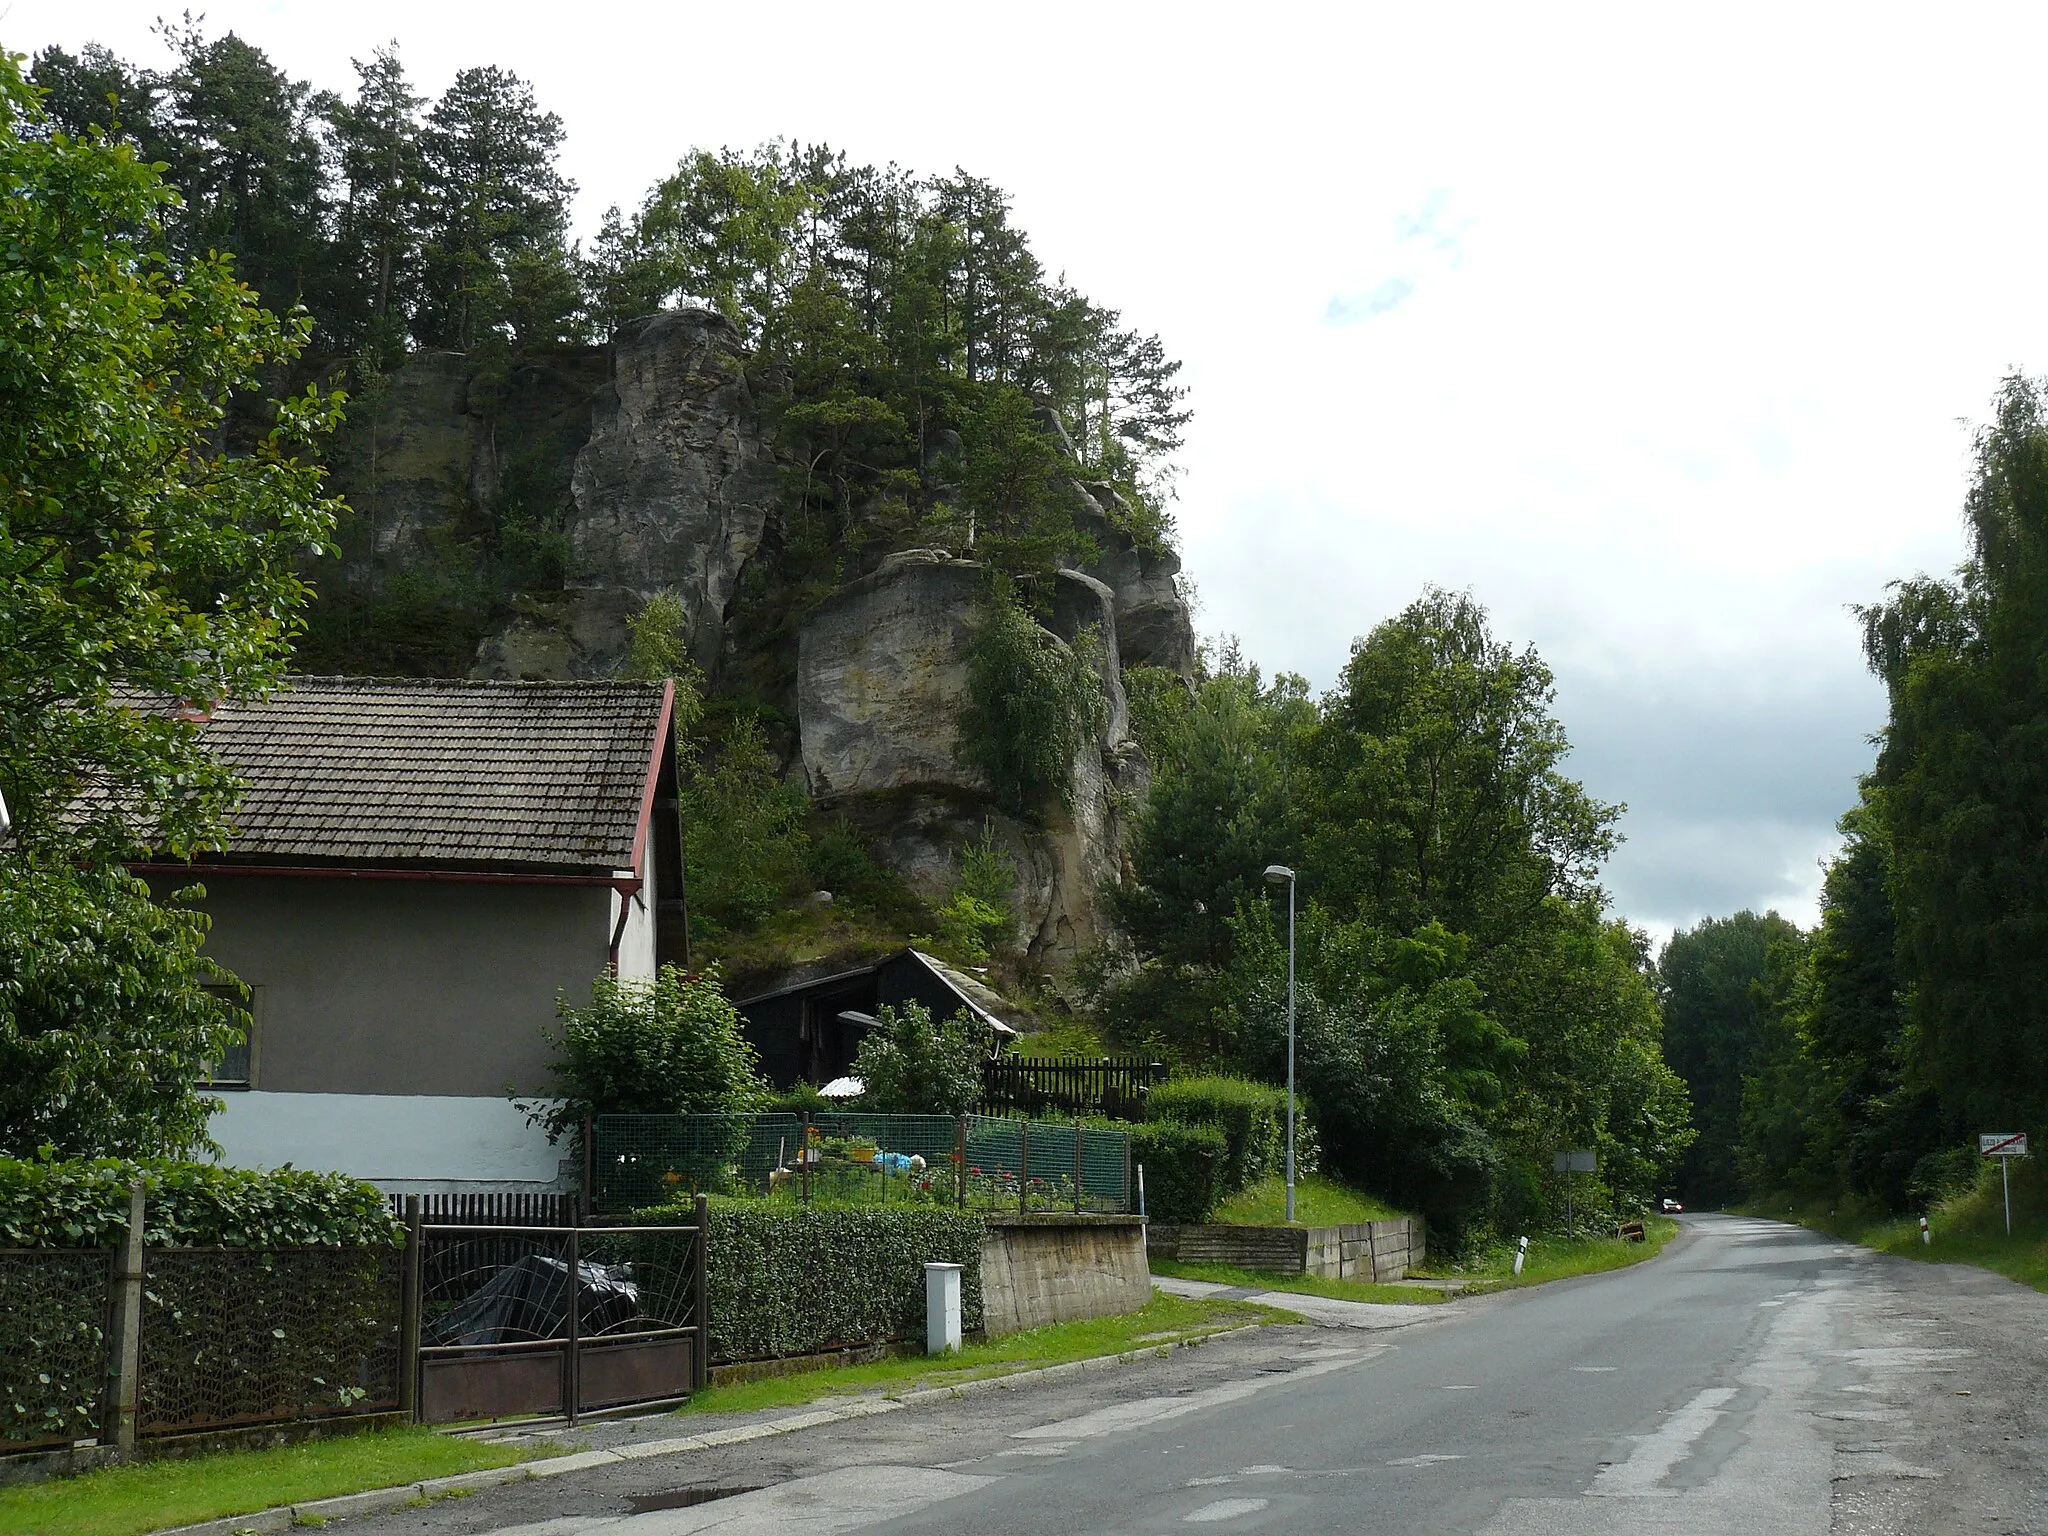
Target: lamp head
x=1279, y=874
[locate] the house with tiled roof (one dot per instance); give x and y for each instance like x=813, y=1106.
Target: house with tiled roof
x=419, y=869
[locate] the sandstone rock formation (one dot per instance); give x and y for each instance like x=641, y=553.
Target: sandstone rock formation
x=676, y=483
x=662, y=476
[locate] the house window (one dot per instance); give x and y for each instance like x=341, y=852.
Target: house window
x=232, y=1070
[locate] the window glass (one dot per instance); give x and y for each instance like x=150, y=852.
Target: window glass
x=232, y=1070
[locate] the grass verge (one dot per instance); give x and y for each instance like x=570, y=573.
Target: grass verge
x=1968, y=1228
x=1555, y=1258
x=150, y=1495
x=1166, y=1320
x=1318, y=1202
x=1300, y=1285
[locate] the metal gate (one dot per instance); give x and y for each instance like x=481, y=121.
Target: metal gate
x=563, y=1320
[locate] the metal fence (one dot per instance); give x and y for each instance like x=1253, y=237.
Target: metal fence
x=982, y=1161
x=1115, y=1086
x=235, y=1336
x=568, y=1320
x=224, y=1337
x=54, y=1325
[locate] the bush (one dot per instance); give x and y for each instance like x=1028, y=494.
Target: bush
x=106, y=1023
x=1032, y=700
x=83, y=1204
x=1251, y=1116
x=911, y=1065
x=1182, y=1164
x=796, y=1281
x=671, y=1046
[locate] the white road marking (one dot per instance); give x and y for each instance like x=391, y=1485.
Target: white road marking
x=1262, y=1470
x=1422, y=1461
x=1154, y=1410
x=1593, y=1369
x=1655, y=1455
x=1224, y=1509
x=1461, y=1387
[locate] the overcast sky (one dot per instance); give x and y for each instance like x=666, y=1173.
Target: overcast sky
x=1658, y=328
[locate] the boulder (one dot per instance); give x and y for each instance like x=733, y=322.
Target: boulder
x=882, y=679
x=675, y=484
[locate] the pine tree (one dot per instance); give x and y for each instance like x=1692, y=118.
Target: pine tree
x=493, y=193
x=376, y=141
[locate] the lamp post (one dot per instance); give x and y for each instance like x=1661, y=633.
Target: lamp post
x=1277, y=874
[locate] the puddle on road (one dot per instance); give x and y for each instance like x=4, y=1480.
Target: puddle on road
x=684, y=1498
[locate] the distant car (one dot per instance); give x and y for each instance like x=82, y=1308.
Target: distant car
x=1669, y=1206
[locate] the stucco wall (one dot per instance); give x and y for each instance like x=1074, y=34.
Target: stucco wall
x=636, y=939
x=407, y=1145
x=1058, y=1269
x=405, y=987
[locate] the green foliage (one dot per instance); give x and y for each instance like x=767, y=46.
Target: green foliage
x=1031, y=701
x=1714, y=1028
x=670, y=1046
x=1183, y=1165
x=978, y=920
x=1219, y=813
x=84, y=1204
x=911, y=1064
x=1251, y=1116
x=795, y=1280
x=106, y=1020
x=1435, y=786
x=743, y=833
x=135, y=554
x=1962, y=780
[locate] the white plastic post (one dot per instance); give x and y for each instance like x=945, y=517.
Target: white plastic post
x=941, y=1308
x=1925, y=1235
x=1521, y=1253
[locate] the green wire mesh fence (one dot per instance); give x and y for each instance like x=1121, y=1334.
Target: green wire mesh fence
x=983, y=1162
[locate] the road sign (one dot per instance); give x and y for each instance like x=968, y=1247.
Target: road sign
x=2004, y=1145
x=1576, y=1162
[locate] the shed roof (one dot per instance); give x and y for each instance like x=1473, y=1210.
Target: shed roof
x=535, y=776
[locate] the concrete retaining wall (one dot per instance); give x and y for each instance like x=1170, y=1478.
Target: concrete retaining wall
x=1057, y=1269
x=1366, y=1250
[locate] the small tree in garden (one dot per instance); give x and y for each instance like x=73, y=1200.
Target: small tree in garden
x=672, y=1045
x=913, y=1065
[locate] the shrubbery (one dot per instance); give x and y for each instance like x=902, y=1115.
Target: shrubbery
x=789, y=1281
x=1252, y=1117
x=912, y=1064
x=84, y=1204
x=1183, y=1166
x=671, y=1046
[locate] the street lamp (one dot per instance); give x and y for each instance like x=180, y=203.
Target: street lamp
x=1277, y=874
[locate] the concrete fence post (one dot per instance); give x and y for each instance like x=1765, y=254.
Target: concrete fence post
x=124, y=1364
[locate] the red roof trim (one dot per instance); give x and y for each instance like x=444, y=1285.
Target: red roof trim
x=661, y=728
x=626, y=887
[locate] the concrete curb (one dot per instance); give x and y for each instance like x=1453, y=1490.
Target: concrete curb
x=285, y=1516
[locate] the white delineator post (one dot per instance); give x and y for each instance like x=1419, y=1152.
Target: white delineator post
x=1521, y=1253
x=941, y=1308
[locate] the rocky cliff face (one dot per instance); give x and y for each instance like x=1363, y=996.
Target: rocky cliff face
x=653, y=464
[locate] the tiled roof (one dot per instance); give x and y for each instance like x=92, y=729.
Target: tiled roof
x=413, y=772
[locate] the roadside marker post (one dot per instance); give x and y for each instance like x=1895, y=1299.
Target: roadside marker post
x=2005, y=1146
x=1521, y=1253
x=1926, y=1237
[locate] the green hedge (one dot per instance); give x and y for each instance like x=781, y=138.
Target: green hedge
x=794, y=1281
x=1252, y=1117
x=1183, y=1166
x=84, y=1204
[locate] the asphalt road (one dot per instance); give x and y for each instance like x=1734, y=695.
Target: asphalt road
x=1753, y=1379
